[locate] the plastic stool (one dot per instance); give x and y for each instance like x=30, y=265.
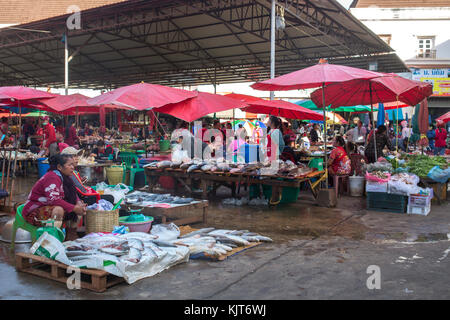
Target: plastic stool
x=343, y=178
x=20, y=223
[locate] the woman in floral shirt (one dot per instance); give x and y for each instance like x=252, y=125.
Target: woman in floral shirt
x=339, y=162
x=54, y=197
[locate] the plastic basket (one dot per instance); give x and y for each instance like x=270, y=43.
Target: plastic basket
x=42, y=167
x=101, y=221
x=386, y=202
x=288, y=194
x=164, y=145
x=114, y=174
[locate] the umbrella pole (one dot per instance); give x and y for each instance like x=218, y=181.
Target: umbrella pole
x=396, y=136
x=325, y=136
x=373, y=122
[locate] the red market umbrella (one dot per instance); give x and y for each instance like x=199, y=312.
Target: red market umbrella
x=444, y=118
x=200, y=106
x=319, y=75
x=142, y=96
x=276, y=107
x=388, y=88
x=20, y=93
x=72, y=104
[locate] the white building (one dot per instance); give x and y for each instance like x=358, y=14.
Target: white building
x=419, y=32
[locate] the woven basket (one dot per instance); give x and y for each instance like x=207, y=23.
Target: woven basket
x=101, y=221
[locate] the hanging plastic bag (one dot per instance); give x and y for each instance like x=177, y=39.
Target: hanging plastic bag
x=439, y=175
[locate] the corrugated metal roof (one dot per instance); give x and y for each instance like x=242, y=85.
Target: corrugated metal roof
x=188, y=43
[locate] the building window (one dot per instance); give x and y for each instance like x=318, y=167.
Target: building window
x=386, y=38
x=425, y=47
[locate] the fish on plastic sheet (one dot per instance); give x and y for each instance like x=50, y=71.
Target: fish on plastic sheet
x=151, y=165
x=164, y=164
x=236, y=239
x=223, y=167
x=199, y=231
x=224, y=247
x=263, y=238
x=178, y=200
x=73, y=253
x=238, y=232
x=193, y=167
x=176, y=164
x=160, y=243
x=206, y=167
x=185, y=165
x=138, y=235
x=227, y=243
x=135, y=243
x=133, y=256
x=236, y=170
x=214, y=168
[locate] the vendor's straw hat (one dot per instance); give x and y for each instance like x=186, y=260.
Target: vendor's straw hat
x=71, y=151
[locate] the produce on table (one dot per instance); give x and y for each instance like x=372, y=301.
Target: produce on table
x=421, y=164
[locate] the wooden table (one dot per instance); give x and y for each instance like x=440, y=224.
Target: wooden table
x=180, y=215
x=230, y=180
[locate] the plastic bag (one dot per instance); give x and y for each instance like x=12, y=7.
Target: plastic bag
x=439, y=175
x=102, y=205
x=118, y=192
x=49, y=247
x=165, y=232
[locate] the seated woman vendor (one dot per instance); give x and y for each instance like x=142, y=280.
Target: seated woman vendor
x=102, y=150
x=339, y=162
x=54, y=197
x=87, y=194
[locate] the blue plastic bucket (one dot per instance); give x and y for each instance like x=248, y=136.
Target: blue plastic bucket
x=42, y=167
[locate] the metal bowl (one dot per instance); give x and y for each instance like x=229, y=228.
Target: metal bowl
x=22, y=236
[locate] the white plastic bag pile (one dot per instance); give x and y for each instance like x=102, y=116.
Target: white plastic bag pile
x=118, y=192
x=404, y=184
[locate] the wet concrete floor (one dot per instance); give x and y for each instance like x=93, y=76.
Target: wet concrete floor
x=318, y=253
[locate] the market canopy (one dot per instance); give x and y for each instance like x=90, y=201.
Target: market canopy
x=182, y=43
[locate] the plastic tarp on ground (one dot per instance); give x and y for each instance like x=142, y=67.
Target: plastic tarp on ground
x=95, y=251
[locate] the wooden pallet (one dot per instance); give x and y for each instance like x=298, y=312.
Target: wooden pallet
x=92, y=279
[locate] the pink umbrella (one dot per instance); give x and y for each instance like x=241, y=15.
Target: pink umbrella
x=319, y=75
x=200, y=106
x=20, y=93
x=276, y=107
x=445, y=118
x=142, y=96
x=388, y=88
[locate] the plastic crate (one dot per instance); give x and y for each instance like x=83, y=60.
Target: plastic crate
x=424, y=211
x=288, y=194
x=386, y=202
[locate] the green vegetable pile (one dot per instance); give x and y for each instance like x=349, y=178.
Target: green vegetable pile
x=421, y=164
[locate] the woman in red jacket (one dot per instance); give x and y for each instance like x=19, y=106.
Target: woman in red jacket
x=440, y=143
x=54, y=197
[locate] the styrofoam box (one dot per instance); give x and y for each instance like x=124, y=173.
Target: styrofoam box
x=424, y=211
x=376, y=187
